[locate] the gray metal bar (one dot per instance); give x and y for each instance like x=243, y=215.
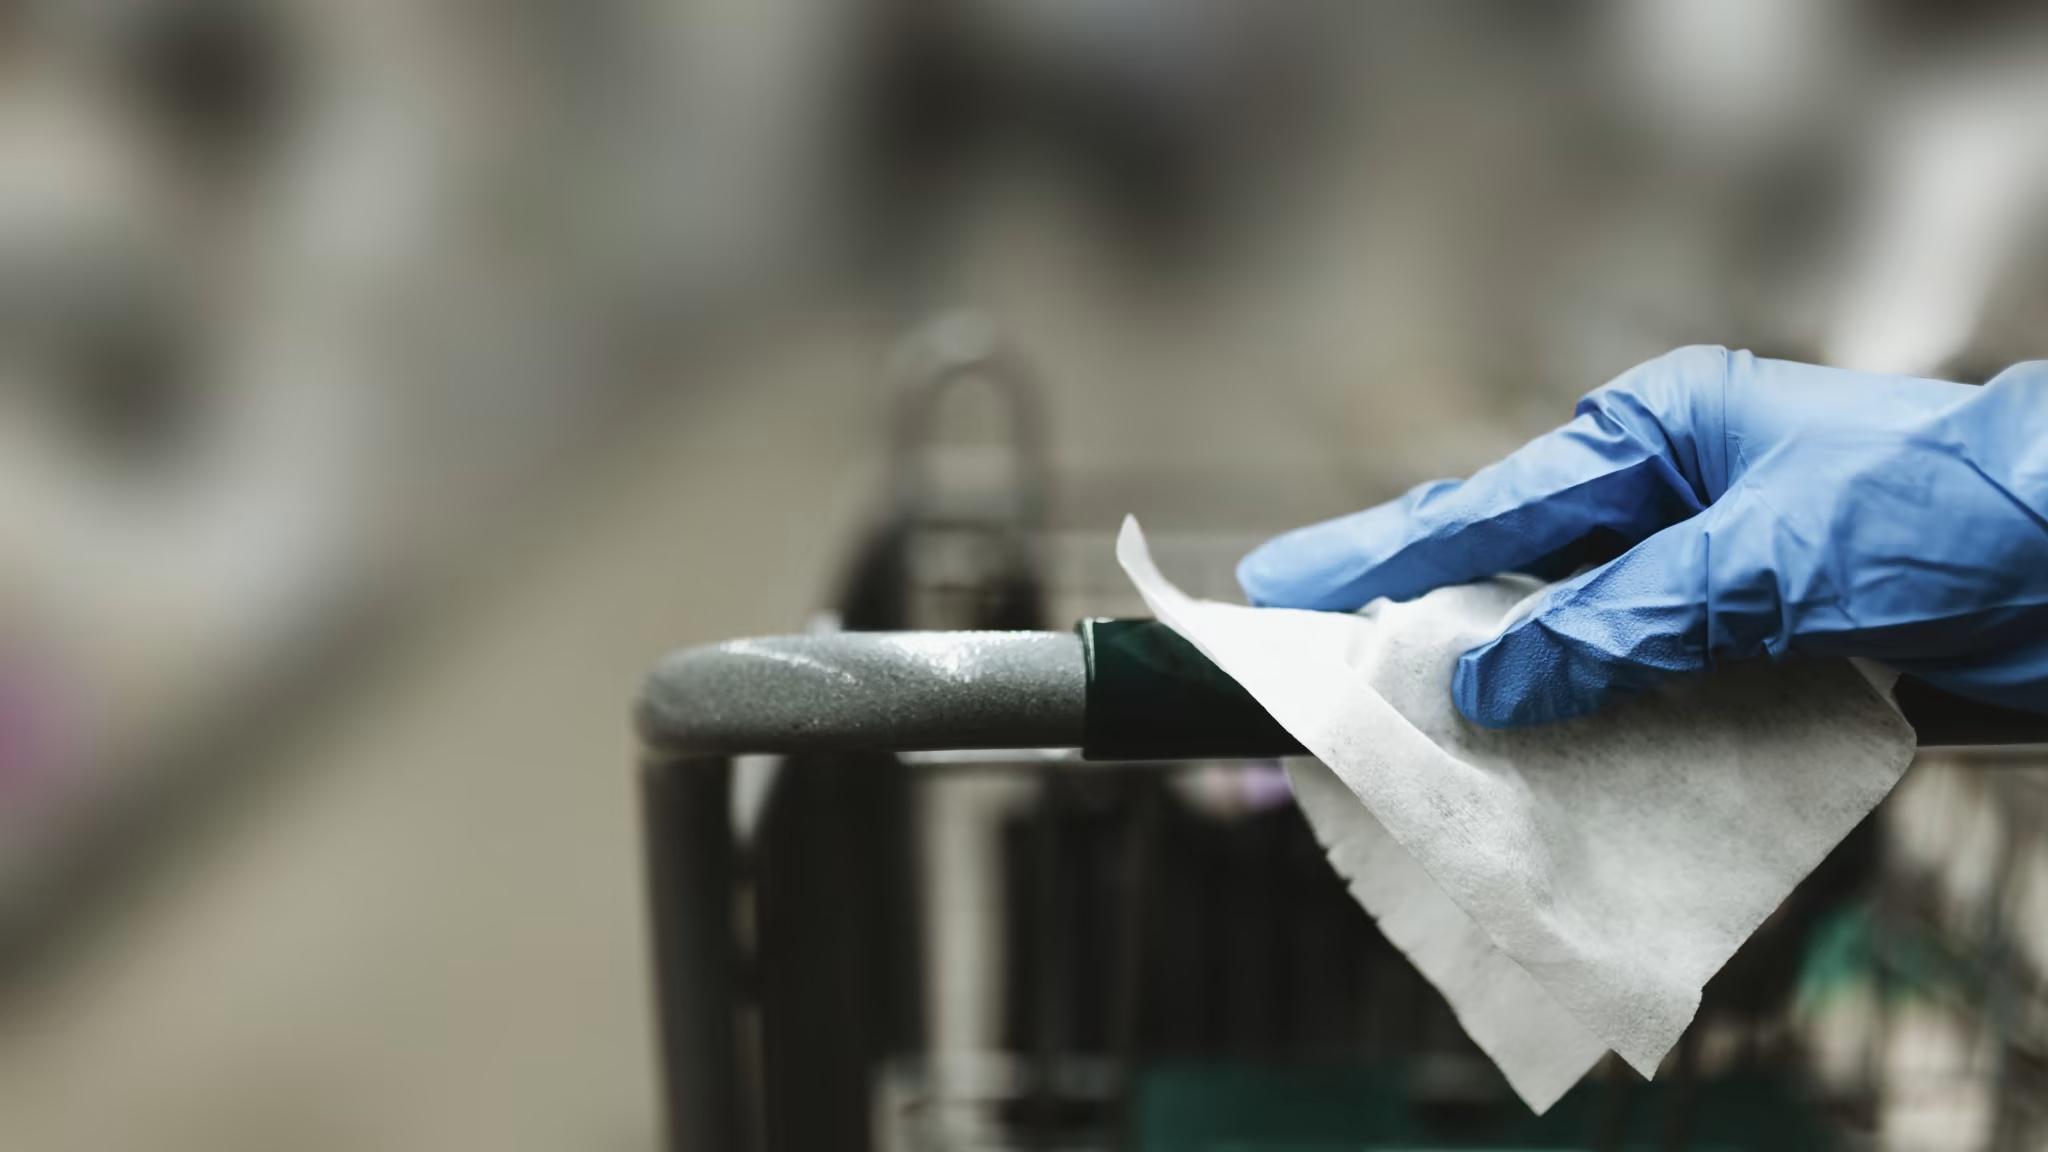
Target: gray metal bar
x=686, y=810
x=963, y=691
x=869, y=691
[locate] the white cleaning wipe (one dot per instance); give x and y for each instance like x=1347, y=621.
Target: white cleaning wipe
x=1568, y=888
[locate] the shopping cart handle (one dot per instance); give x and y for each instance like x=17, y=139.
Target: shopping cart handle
x=1115, y=689
x=1151, y=695
x=1154, y=696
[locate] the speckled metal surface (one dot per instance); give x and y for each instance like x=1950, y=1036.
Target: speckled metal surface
x=869, y=690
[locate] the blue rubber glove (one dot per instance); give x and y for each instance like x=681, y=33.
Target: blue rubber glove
x=1752, y=508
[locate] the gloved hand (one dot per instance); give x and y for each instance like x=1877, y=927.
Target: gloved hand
x=1759, y=508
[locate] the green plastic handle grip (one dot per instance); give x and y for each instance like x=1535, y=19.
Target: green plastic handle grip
x=1154, y=696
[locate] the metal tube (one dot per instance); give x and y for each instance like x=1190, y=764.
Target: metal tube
x=1123, y=690
x=685, y=805
x=869, y=691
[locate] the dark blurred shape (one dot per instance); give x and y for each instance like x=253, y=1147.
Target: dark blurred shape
x=1951, y=20
x=134, y=399
x=110, y=352
x=216, y=76
x=943, y=550
x=1154, y=112
x=1943, y=718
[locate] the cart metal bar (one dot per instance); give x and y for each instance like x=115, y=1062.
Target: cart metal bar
x=869, y=691
x=1107, y=690
x=685, y=807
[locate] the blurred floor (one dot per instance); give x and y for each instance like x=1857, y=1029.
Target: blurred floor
x=423, y=930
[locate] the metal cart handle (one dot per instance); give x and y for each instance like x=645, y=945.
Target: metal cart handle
x=1115, y=689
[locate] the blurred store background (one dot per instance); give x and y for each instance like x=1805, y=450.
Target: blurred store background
x=386, y=384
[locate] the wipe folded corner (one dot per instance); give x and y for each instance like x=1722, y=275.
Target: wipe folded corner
x=1569, y=889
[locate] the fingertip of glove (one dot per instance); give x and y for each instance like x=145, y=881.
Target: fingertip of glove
x=1508, y=683
x=1262, y=578
x=1476, y=695
x=1314, y=568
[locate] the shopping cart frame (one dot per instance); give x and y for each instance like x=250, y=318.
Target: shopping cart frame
x=1112, y=690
